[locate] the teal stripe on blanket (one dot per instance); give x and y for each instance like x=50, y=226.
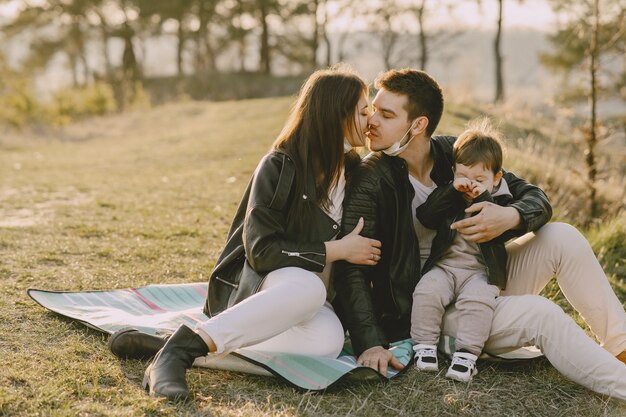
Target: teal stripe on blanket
x=160, y=309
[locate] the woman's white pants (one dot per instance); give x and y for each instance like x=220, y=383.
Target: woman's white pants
x=289, y=314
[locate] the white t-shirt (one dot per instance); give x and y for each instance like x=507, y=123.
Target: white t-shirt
x=425, y=235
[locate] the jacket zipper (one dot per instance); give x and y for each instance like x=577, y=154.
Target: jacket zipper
x=299, y=255
x=226, y=282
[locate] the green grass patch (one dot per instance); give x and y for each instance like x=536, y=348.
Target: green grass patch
x=147, y=197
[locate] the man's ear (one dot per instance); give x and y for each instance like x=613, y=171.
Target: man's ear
x=496, y=178
x=419, y=126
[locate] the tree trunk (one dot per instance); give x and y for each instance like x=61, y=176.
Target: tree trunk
x=498, y=56
x=388, y=42
x=592, y=138
x=341, y=46
x=130, y=67
x=129, y=60
x=74, y=69
x=205, y=54
x=325, y=38
x=80, y=54
x=86, y=70
x=104, y=31
x=317, y=30
x=264, y=64
x=422, y=36
x=180, y=47
x=210, y=51
x=241, y=37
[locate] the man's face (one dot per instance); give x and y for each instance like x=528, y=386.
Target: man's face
x=389, y=120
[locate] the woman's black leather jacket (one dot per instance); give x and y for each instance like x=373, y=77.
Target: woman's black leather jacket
x=261, y=240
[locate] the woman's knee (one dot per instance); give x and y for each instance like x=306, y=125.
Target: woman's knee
x=334, y=337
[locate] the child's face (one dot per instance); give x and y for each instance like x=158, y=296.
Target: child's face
x=478, y=173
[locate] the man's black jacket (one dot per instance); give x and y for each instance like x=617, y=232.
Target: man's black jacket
x=374, y=302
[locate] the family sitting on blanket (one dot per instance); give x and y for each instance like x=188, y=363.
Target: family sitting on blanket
x=311, y=202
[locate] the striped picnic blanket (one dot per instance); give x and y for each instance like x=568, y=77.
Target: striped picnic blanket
x=160, y=309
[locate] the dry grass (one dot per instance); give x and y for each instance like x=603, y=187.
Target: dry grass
x=147, y=198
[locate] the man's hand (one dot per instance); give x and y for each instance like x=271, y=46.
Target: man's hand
x=378, y=358
x=491, y=221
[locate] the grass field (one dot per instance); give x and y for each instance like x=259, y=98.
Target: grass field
x=147, y=198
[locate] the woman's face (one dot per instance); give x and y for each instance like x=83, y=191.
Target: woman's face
x=355, y=132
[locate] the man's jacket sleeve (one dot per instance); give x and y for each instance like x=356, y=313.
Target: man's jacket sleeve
x=531, y=203
x=353, y=283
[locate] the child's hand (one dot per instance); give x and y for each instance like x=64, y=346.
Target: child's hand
x=462, y=185
x=477, y=189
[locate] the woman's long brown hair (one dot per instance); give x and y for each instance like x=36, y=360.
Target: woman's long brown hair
x=314, y=133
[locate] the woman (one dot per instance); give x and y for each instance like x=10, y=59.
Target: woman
x=270, y=284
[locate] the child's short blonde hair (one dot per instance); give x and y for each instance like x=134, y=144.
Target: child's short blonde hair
x=480, y=143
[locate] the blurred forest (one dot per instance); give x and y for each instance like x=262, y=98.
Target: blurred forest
x=235, y=49
x=251, y=48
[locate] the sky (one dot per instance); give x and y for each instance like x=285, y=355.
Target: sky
x=524, y=14
x=533, y=14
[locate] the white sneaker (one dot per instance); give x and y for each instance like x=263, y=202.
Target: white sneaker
x=463, y=367
x=426, y=358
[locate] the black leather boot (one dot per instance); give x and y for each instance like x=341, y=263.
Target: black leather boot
x=165, y=376
x=130, y=343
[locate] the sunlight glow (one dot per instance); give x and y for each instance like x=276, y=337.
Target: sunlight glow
x=528, y=14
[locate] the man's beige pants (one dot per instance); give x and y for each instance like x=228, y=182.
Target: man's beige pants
x=522, y=318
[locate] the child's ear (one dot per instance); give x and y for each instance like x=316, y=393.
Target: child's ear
x=497, y=178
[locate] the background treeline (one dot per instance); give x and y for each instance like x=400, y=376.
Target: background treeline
x=250, y=48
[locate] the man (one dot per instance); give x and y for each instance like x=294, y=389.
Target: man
x=374, y=302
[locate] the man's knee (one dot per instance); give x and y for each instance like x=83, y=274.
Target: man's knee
x=472, y=301
x=541, y=313
x=564, y=236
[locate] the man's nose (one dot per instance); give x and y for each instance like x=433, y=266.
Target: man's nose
x=372, y=120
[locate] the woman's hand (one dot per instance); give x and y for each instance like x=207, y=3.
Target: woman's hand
x=354, y=248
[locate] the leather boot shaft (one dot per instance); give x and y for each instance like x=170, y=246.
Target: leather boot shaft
x=166, y=375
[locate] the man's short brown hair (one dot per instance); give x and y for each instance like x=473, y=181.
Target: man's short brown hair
x=424, y=95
